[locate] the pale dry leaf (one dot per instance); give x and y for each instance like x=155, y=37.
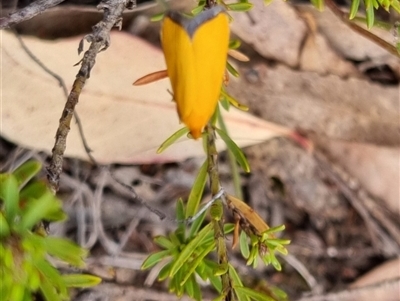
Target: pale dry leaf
x=283, y=43
x=377, y=168
x=350, y=109
x=122, y=123
x=343, y=40
x=387, y=270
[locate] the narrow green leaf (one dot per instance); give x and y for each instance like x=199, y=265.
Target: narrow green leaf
x=255, y=261
x=209, y=268
x=164, y=272
x=275, y=262
x=224, y=102
x=201, y=271
x=80, y=280
x=385, y=4
x=179, y=290
x=275, y=229
x=228, y=228
x=198, y=9
x=234, y=44
x=4, y=227
x=189, y=287
x=17, y=292
x=172, y=139
x=189, y=249
x=274, y=242
x=318, y=4
x=157, y=17
x=234, y=276
x=65, y=250
x=396, y=7
x=369, y=9
x=197, y=191
x=237, y=282
x=34, y=190
x=232, y=70
x=232, y=162
x=237, y=152
x=154, y=258
x=175, y=239
x=234, y=102
x=254, y=295
x=355, y=4
x=164, y=242
x=267, y=258
x=34, y=279
x=241, y=6
x=199, y=258
x=51, y=275
x=282, y=250
x=244, y=245
x=10, y=195
x=253, y=255
x=180, y=215
x=180, y=210
x=195, y=227
x=26, y=172
x=48, y=291
x=220, y=297
x=221, y=269
x=37, y=210
x=278, y=293
x=38, y=190
x=196, y=288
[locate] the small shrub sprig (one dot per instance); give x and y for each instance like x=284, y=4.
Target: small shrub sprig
x=26, y=251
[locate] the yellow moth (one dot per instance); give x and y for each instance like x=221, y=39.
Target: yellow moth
x=195, y=51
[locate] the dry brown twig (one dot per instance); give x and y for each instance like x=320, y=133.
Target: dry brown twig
x=344, y=17
x=28, y=12
x=99, y=40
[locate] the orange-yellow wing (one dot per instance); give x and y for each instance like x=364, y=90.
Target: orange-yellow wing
x=195, y=52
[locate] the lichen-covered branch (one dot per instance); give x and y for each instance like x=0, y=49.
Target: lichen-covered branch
x=28, y=12
x=99, y=40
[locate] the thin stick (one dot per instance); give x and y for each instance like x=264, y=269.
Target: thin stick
x=365, y=33
x=100, y=40
x=191, y=219
x=28, y=12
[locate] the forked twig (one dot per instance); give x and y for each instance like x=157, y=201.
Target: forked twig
x=99, y=40
x=28, y=12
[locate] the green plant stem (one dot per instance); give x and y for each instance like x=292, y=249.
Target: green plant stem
x=219, y=236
